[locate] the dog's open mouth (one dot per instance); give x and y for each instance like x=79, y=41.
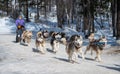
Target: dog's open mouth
x=77, y=46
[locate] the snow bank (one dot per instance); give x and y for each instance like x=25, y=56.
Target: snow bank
x=7, y=26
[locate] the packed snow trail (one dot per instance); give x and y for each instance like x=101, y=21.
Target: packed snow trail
x=19, y=59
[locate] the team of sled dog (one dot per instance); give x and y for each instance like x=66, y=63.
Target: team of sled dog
x=73, y=44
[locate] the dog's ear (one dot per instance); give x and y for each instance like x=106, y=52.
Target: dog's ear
x=31, y=32
x=76, y=37
x=53, y=34
x=46, y=31
x=39, y=33
x=25, y=31
x=63, y=34
x=50, y=33
x=57, y=33
x=81, y=37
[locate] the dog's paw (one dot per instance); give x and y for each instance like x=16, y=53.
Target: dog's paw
x=76, y=62
x=71, y=61
x=83, y=58
x=42, y=52
x=54, y=51
x=100, y=61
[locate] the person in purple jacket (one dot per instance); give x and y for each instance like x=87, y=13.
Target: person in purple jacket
x=20, y=24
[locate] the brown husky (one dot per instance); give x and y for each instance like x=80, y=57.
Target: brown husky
x=97, y=46
x=26, y=36
x=40, y=42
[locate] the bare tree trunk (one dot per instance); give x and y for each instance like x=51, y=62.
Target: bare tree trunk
x=91, y=15
x=50, y=4
x=60, y=12
x=15, y=12
x=7, y=7
x=86, y=19
x=73, y=11
x=113, y=18
x=86, y=23
x=27, y=18
x=20, y=5
x=101, y=20
x=37, y=17
x=45, y=7
x=68, y=9
x=118, y=19
x=78, y=25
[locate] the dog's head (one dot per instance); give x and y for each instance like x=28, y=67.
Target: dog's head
x=91, y=37
x=56, y=35
x=73, y=38
x=63, y=35
x=29, y=34
x=45, y=34
x=39, y=36
x=77, y=40
x=103, y=41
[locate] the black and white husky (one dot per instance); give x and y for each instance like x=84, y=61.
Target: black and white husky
x=55, y=41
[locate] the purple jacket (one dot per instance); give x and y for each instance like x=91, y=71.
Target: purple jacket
x=20, y=22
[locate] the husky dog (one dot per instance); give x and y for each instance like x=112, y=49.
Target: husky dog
x=73, y=47
x=97, y=46
x=40, y=42
x=55, y=39
x=26, y=37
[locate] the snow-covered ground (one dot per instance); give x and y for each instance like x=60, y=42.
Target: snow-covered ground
x=19, y=59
